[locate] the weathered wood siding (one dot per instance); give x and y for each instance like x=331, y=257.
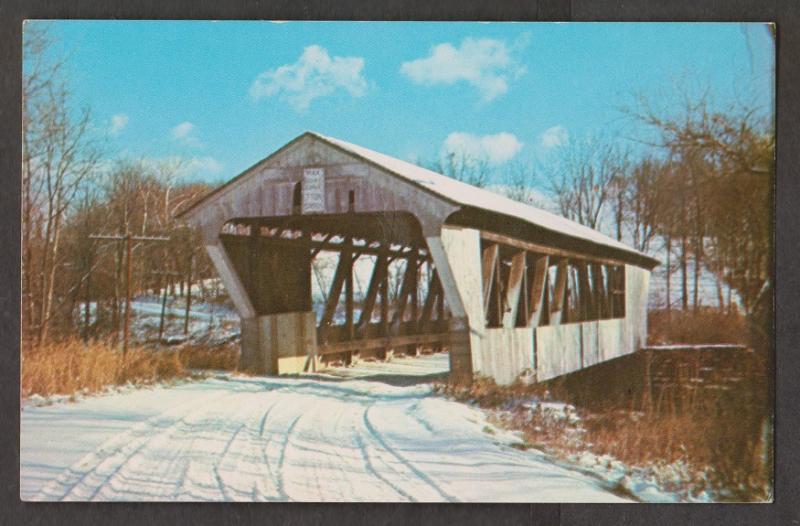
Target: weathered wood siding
x=637, y=288
x=268, y=190
x=463, y=248
x=505, y=353
x=279, y=343
x=562, y=349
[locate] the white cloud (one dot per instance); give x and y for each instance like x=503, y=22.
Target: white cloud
x=118, y=123
x=496, y=149
x=203, y=164
x=184, y=133
x=485, y=63
x=554, y=137
x=184, y=167
x=315, y=74
x=188, y=169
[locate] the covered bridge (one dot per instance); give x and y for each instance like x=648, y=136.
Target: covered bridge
x=505, y=287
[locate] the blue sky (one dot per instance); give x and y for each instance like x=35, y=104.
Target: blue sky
x=223, y=95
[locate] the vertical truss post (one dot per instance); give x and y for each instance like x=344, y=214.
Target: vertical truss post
x=559, y=294
x=538, y=294
x=348, y=290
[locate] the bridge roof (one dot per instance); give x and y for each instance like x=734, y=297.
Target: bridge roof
x=470, y=196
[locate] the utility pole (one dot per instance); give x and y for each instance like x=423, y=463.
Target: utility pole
x=128, y=239
x=164, y=288
x=188, y=295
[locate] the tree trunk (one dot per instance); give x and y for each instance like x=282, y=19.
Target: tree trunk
x=697, y=271
x=669, y=274
x=87, y=301
x=188, y=296
x=684, y=277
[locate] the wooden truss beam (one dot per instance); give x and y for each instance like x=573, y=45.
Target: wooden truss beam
x=544, y=249
x=538, y=288
x=513, y=288
x=407, y=288
x=348, y=289
x=489, y=267
x=388, y=342
x=434, y=289
x=375, y=283
x=316, y=245
x=343, y=268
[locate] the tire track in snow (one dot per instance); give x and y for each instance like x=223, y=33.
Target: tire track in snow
x=139, y=435
x=238, y=468
x=412, y=412
x=403, y=460
x=262, y=448
x=180, y=442
x=282, y=459
x=176, y=436
x=375, y=473
x=215, y=468
x=265, y=440
x=122, y=448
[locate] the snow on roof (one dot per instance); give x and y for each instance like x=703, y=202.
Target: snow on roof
x=467, y=195
x=455, y=191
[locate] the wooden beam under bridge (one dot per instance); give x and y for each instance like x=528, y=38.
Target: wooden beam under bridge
x=391, y=342
x=367, y=249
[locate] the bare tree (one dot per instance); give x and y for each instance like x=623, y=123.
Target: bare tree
x=59, y=154
x=722, y=179
x=520, y=181
x=463, y=167
x=582, y=178
x=641, y=200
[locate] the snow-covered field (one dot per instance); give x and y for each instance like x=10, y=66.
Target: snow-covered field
x=307, y=438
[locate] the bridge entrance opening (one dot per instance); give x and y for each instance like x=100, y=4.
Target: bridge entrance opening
x=334, y=289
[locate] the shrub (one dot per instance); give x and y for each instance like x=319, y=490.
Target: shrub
x=71, y=366
x=203, y=357
x=696, y=326
x=723, y=435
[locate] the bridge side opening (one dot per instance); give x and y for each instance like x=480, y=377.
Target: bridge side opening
x=523, y=288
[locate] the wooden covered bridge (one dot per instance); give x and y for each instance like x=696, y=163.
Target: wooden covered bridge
x=505, y=287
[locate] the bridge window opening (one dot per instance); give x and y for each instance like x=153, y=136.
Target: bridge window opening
x=596, y=292
x=573, y=311
x=554, y=305
x=493, y=269
x=616, y=286
x=351, y=201
x=297, y=198
x=572, y=290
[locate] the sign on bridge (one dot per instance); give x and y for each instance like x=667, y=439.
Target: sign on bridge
x=313, y=190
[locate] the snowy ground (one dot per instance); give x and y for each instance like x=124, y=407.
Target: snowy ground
x=309, y=438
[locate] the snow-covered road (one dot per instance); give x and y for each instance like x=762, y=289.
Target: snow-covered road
x=275, y=439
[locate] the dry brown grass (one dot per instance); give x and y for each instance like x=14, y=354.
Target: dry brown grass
x=224, y=358
x=71, y=366
x=697, y=326
x=486, y=393
x=720, y=435
x=728, y=446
